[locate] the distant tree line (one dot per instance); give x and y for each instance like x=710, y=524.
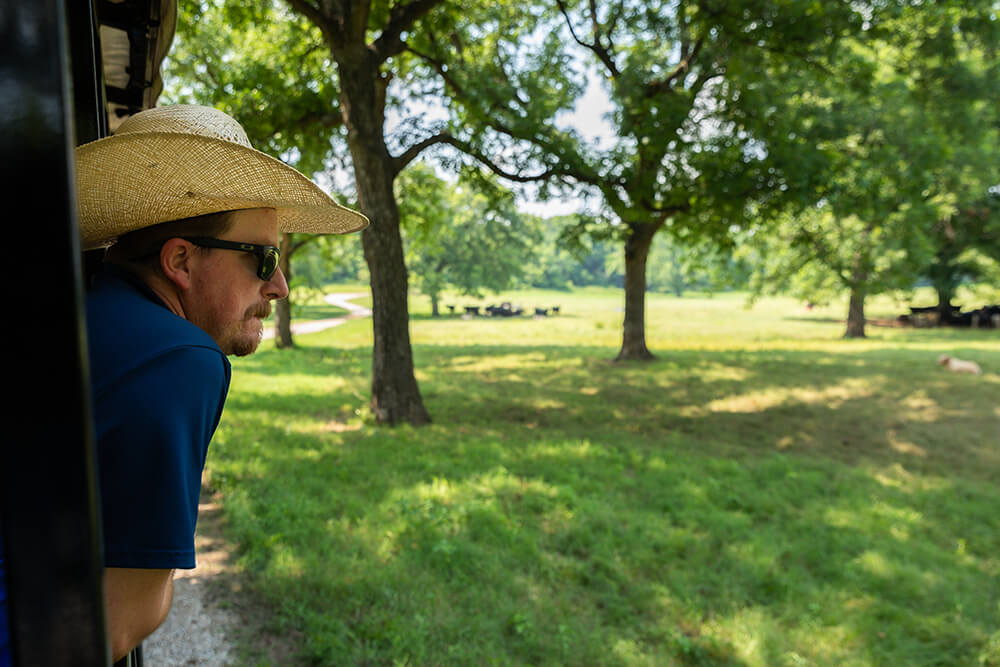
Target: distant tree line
x=455, y=243
x=459, y=239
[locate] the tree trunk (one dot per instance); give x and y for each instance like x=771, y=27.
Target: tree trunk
x=856, y=314
x=434, y=306
x=944, y=307
x=946, y=272
x=283, y=307
x=858, y=286
x=634, y=330
x=395, y=395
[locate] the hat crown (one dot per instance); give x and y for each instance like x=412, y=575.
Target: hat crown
x=181, y=161
x=186, y=119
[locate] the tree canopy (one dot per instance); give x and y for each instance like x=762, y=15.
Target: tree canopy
x=700, y=142
x=461, y=237
x=906, y=139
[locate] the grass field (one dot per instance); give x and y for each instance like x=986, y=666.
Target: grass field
x=765, y=493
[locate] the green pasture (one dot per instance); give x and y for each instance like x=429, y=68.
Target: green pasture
x=765, y=493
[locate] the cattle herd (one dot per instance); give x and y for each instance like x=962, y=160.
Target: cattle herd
x=505, y=309
x=987, y=317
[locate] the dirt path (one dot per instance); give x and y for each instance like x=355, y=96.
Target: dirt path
x=211, y=613
x=339, y=300
x=199, y=630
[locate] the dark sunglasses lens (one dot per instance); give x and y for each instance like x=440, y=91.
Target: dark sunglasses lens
x=268, y=265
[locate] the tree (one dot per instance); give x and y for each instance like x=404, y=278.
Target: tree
x=679, y=267
x=305, y=71
x=819, y=253
x=333, y=259
x=954, y=46
x=700, y=143
x=974, y=227
x=291, y=244
x=906, y=130
x=567, y=259
x=462, y=237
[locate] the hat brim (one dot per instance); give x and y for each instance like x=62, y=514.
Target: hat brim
x=131, y=181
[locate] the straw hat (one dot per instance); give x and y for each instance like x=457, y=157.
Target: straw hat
x=179, y=161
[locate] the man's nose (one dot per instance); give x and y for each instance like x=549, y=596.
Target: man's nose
x=277, y=286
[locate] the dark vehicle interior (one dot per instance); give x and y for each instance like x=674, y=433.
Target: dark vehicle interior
x=70, y=72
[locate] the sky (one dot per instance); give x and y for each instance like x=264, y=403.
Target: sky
x=588, y=118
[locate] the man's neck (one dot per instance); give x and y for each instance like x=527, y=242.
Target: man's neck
x=166, y=291
x=153, y=283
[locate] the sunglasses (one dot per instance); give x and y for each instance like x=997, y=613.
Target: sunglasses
x=267, y=255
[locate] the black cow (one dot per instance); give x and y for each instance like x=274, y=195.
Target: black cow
x=987, y=317
x=505, y=309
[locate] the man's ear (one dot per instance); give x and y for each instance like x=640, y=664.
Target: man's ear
x=176, y=259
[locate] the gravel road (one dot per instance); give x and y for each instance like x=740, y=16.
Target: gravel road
x=200, y=629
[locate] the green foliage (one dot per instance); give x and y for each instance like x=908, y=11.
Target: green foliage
x=879, y=122
x=330, y=259
x=816, y=254
x=267, y=68
x=565, y=259
x=466, y=237
x=963, y=244
x=905, y=150
x=700, y=146
x=764, y=494
x=695, y=109
x=681, y=267
x=580, y=251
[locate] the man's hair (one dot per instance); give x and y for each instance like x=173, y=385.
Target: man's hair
x=139, y=251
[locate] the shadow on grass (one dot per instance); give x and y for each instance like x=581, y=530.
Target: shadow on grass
x=906, y=329
x=499, y=548
x=880, y=406
x=565, y=510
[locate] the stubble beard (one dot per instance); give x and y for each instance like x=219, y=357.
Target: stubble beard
x=243, y=342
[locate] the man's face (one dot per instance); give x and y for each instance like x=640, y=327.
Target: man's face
x=227, y=299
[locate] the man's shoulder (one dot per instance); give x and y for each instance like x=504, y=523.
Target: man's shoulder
x=122, y=310
x=128, y=328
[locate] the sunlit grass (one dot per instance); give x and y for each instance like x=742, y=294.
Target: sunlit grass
x=764, y=493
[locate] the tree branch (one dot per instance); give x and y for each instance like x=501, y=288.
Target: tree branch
x=400, y=162
x=401, y=18
x=683, y=67
x=596, y=47
x=615, y=16
x=569, y=24
x=451, y=82
x=322, y=20
x=323, y=119
x=806, y=237
x=439, y=67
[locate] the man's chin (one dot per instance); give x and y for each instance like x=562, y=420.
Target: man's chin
x=243, y=348
x=246, y=343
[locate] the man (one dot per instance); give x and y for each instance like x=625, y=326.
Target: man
x=192, y=214
x=158, y=331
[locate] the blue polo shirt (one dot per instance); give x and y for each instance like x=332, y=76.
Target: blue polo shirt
x=158, y=385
